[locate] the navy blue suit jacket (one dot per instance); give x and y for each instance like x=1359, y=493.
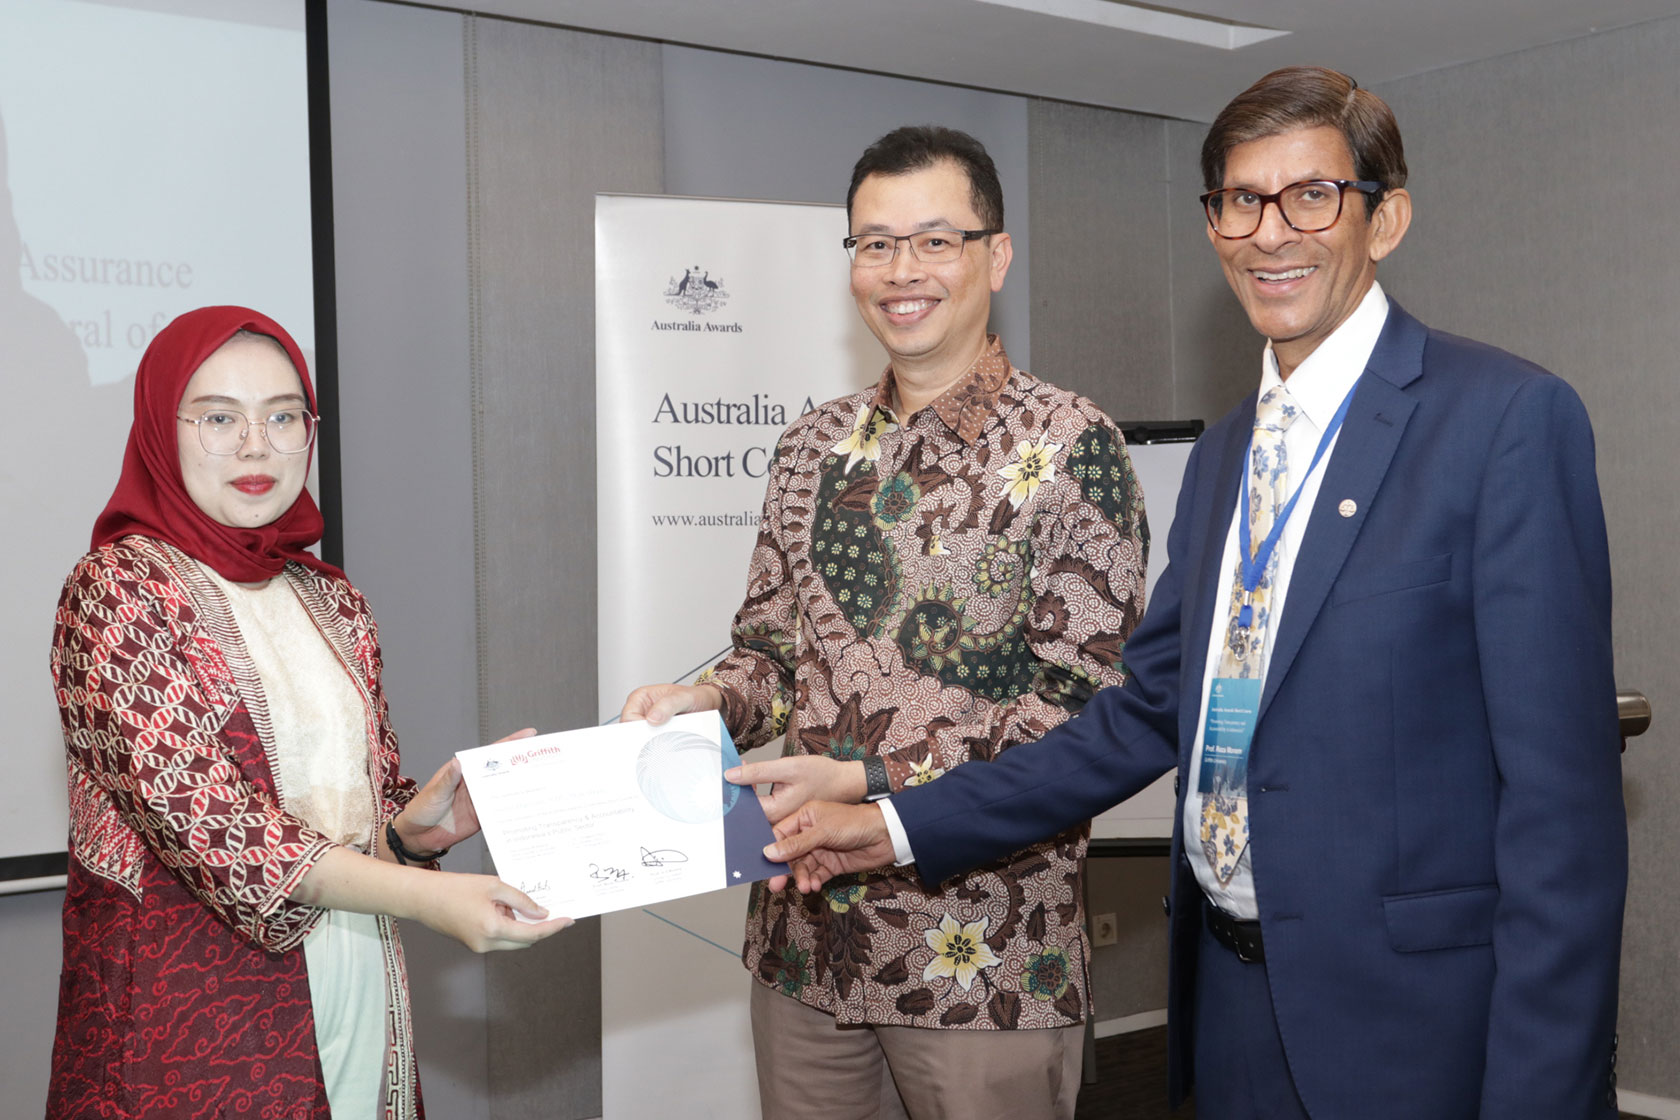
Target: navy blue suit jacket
x=1438, y=838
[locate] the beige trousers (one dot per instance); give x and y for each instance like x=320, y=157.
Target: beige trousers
x=809, y=1067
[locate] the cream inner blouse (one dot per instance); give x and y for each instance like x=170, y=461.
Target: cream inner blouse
x=319, y=719
x=321, y=767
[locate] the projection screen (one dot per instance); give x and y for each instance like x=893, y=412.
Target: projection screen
x=154, y=157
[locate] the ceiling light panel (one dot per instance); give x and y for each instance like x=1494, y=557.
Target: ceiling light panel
x=1161, y=22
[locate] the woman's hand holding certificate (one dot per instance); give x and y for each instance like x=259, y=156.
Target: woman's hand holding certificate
x=609, y=818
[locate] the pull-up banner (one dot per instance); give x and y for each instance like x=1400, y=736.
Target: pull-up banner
x=717, y=324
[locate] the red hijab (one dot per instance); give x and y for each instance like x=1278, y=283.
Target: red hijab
x=151, y=498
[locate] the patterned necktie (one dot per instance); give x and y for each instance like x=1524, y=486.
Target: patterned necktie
x=1224, y=832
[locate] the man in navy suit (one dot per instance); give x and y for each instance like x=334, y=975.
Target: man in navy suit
x=1399, y=860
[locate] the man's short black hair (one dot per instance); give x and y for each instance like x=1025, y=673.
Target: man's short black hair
x=917, y=146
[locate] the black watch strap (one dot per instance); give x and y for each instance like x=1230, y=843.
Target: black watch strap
x=403, y=854
x=875, y=773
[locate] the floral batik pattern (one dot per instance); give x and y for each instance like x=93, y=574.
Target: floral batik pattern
x=184, y=992
x=932, y=589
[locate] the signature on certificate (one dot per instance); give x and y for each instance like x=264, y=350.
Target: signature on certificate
x=662, y=857
x=533, y=888
x=607, y=874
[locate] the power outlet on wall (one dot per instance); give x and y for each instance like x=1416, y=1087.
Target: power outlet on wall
x=1104, y=930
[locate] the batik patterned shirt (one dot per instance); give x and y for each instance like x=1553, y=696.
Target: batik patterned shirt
x=933, y=589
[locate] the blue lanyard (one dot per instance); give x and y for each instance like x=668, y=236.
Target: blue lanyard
x=1254, y=566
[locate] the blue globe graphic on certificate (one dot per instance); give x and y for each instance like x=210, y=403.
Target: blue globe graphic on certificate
x=679, y=773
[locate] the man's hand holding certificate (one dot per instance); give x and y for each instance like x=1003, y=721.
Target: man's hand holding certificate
x=609, y=818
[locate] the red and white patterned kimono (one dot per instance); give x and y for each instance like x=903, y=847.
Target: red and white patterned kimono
x=184, y=992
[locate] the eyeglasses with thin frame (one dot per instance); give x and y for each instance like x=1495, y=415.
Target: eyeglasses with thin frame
x=930, y=246
x=1312, y=206
x=222, y=431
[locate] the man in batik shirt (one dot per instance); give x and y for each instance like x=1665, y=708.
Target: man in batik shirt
x=948, y=565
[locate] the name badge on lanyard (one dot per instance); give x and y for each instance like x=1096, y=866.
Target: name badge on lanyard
x=1234, y=702
x=1233, y=705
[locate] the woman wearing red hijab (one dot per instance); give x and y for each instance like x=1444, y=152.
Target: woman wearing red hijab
x=240, y=837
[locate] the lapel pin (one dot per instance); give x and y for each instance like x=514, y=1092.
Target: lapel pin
x=1348, y=508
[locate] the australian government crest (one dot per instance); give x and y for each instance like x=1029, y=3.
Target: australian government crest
x=699, y=293
x=696, y=291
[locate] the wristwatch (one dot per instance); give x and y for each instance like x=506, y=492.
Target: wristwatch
x=875, y=773
x=404, y=854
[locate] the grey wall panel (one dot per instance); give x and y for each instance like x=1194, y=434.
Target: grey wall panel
x=1097, y=199
x=742, y=127
x=1534, y=177
x=1103, y=327
x=1101, y=304
x=30, y=932
x=1130, y=308
x=1127, y=293
x=553, y=117
x=1130, y=976
x=1216, y=354
x=399, y=210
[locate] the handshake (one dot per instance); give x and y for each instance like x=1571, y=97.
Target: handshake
x=813, y=802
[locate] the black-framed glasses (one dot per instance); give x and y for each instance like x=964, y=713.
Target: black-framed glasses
x=1310, y=207
x=930, y=246
x=222, y=431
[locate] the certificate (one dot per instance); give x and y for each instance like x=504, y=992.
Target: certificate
x=608, y=818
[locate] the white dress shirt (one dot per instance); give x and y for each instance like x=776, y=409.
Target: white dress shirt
x=1318, y=385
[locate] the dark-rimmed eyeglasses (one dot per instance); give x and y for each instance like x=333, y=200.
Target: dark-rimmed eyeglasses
x=1309, y=207
x=930, y=246
x=222, y=431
